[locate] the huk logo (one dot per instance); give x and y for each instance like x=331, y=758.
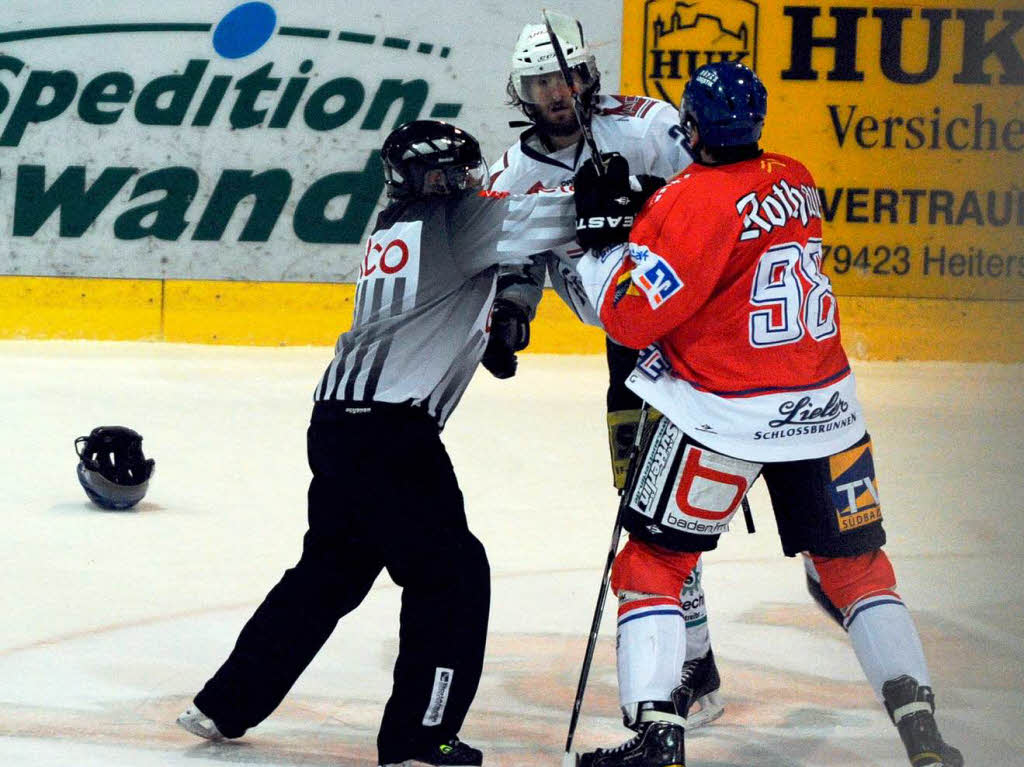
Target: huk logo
x=680, y=36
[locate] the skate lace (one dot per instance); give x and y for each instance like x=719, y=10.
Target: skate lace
x=631, y=743
x=689, y=669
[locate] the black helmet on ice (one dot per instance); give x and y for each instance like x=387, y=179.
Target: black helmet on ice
x=113, y=471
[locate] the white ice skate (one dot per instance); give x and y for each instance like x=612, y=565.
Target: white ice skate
x=198, y=723
x=700, y=677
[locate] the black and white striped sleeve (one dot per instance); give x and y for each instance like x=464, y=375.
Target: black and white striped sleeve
x=489, y=230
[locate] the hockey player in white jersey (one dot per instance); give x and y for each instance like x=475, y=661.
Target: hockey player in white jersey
x=646, y=132
x=383, y=493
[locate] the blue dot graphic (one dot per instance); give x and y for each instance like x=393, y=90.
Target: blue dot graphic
x=244, y=30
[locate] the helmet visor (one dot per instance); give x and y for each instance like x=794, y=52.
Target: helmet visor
x=458, y=178
x=546, y=86
x=107, y=494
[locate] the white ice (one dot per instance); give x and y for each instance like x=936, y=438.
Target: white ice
x=112, y=621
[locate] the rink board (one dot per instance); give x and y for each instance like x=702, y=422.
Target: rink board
x=185, y=184
x=303, y=314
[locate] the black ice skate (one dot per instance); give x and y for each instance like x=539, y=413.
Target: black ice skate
x=657, y=743
x=454, y=753
x=700, y=681
x=912, y=709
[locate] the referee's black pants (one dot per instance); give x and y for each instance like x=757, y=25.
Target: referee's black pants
x=383, y=495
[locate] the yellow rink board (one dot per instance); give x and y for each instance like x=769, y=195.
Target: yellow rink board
x=304, y=314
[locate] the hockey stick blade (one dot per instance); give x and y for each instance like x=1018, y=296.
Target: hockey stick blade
x=577, y=103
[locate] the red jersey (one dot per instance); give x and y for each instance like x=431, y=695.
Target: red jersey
x=722, y=274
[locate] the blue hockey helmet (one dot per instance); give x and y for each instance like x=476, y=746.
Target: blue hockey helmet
x=726, y=102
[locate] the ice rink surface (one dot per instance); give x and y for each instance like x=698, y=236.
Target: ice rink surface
x=111, y=621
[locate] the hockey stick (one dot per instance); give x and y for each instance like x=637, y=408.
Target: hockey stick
x=577, y=103
x=569, y=758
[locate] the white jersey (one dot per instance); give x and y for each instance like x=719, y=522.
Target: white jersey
x=644, y=131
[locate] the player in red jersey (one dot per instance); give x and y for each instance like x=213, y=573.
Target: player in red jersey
x=720, y=283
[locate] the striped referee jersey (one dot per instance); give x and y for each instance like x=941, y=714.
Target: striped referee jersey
x=426, y=286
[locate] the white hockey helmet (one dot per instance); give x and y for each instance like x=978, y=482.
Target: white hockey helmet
x=534, y=55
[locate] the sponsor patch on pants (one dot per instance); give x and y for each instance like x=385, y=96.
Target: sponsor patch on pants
x=708, y=490
x=438, y=697
x=654, y=471
x=854, y=488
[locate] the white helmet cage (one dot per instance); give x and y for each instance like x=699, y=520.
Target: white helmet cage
x=534, y=55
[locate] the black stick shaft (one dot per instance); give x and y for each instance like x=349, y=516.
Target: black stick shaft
x=602, y=593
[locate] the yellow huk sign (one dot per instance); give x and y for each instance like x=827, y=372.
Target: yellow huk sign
x=909, y=115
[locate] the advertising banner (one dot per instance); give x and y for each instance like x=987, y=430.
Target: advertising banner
x=910, y=115
x=214, y=140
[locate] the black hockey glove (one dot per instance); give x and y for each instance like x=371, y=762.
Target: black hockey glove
x=606, y=205
x=642, y=186
x=604, y=213
x=510, y=333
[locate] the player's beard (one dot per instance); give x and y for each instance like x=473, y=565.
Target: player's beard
x=564, y=127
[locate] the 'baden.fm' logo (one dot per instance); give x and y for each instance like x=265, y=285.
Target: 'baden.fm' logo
x=680, y=36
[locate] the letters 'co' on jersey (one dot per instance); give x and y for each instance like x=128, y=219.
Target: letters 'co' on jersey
x=644, y=131
x=723, y=271
x=426, y=286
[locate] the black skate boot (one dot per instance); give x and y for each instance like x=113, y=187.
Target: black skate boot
x=700, y=683
x=912, y=709
x=657, y=743
x=454, y=753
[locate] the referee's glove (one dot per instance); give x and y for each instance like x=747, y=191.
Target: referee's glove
x=510, y=333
